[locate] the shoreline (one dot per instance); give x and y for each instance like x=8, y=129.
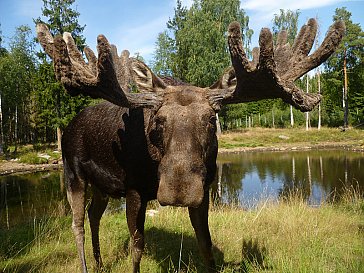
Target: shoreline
x=12, y=167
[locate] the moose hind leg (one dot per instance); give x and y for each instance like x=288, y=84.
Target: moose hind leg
x=199, y=220
x=76, y=191
x=95, y=211
x=135, y=215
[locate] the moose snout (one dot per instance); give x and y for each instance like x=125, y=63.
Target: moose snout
x=181, y=186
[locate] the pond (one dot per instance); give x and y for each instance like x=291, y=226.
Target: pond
x=252, y=177
x=242, y=178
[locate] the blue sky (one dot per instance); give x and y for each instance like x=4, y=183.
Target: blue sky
x=134, y=25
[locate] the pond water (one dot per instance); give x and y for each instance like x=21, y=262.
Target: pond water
x=252, y=177
x=242, y=178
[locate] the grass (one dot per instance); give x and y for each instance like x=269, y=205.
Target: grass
x=267, y=137
x=286, y=236
x=39, y=154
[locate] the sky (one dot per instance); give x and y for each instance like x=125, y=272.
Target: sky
x=134, y=25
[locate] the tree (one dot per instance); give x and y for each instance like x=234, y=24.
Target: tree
x=17, y=68
x=350, y=53
x=60, y=18
x=163, y=55
x=288, y=21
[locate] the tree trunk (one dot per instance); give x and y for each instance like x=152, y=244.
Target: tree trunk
x=319, y=92
x=1, y=128
x=218, y=126
x=59, y=139
x=307, y=115
x=346, y=109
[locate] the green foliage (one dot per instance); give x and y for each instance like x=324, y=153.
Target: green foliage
x=17, y=68
x=288, y=21
x=194, y=47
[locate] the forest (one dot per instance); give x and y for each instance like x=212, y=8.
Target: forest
x=34, y=108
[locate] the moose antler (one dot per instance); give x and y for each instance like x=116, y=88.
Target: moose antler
x=272, y=72
x=104, y=77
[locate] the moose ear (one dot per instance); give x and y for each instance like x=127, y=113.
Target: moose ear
x=227, y=80
x=144, y=78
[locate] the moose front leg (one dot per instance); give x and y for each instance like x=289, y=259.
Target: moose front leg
x=135, y=215
x=199, y=220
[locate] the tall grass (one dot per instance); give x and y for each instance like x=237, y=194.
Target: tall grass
x=285, y=236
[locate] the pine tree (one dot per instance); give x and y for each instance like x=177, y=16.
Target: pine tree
x=350, y=51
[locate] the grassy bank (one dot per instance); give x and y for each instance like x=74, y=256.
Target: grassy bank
x=288, y=236
x=288, y=138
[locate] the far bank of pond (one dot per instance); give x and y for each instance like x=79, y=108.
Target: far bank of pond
x=244, y=179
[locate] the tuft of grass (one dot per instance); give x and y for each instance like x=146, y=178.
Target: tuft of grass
x=32, y=158
x=285, y=236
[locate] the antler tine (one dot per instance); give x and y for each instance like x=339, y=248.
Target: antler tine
x=122, y=67
x=73, y=51
x=92, y=60
x=238, y=57
x=98, y=78
x=303, y=46
x=45, y=38
x=255, y=60
x=281, y=39
x=282, y=53
x=266, y=50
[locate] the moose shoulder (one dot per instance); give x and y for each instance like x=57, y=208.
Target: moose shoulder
x=160, y=143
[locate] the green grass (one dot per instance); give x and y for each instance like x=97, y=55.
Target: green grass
x=39, y=154
x=265, y=137
x=286, y=236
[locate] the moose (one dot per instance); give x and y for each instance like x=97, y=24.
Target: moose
x=160, y=142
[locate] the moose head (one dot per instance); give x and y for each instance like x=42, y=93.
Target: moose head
x=160, y=143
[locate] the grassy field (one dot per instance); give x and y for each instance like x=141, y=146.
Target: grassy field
x=288, y=236
x=288, y=138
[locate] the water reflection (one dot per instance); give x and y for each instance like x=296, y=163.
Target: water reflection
x=248, y=178
x=244, y=179
x=30, y=196
x=27, y=198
